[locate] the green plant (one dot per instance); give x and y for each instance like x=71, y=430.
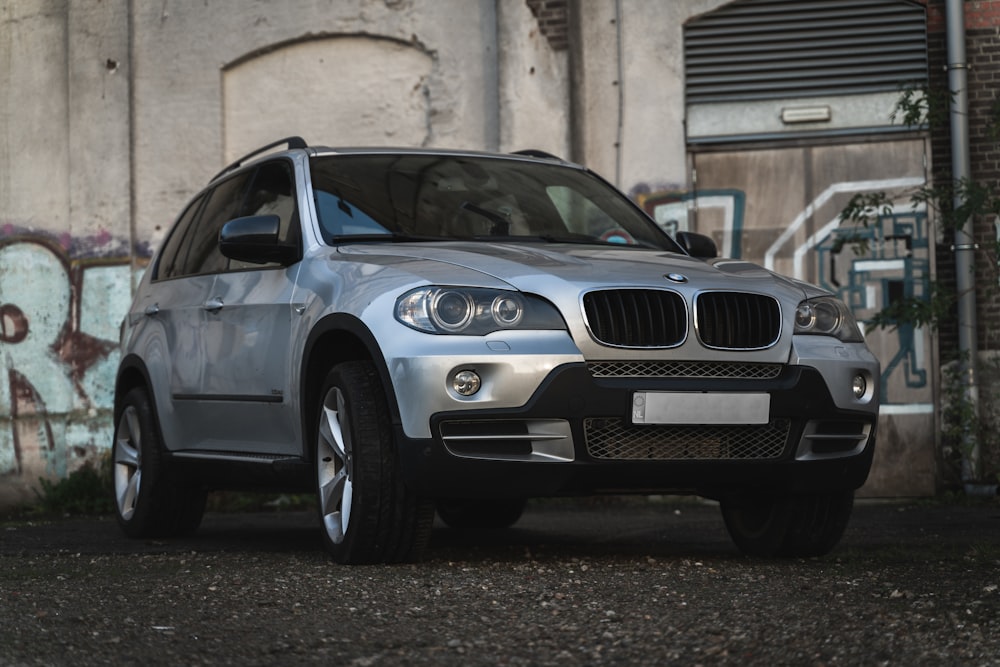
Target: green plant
x=84, y=491
x=968, y=424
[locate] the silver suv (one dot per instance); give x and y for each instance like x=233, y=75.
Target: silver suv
x=404, y=331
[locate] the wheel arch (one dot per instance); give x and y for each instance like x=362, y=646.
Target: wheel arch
x=132, y=373
x=335, y=339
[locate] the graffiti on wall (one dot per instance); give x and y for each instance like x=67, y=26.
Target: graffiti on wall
x=61, y=304
x=672, y=211
x=894, y=263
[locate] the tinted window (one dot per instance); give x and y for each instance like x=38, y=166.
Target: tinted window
x=474, y=197
x=203, y=255
x=338, y=218
x=272, y=193
x=168, y=265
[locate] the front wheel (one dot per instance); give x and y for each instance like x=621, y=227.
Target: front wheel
x=367, y=512
x=148, y=502
x=789, y=525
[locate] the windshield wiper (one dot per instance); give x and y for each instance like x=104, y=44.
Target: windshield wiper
x=501, y=225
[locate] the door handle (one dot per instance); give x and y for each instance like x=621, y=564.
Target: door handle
x=213, y=305
x=152, y=310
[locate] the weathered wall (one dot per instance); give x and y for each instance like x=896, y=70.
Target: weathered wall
x=114, y=113
x=65, y=236
x=213, y=81
x=629, y=111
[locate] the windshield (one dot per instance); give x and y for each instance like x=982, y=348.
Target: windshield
x=435, y=197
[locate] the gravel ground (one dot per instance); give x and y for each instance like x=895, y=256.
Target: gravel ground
x=574, y=583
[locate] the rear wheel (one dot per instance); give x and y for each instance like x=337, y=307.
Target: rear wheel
x=480, y=514
x=793, y=525
x=149, y=502
x=368, y=514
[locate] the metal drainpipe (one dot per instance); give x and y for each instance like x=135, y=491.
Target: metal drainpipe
x=965, y=245
x=620, y=132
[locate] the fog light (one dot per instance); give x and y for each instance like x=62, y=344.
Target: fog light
x=466, y=383
x=859, y=386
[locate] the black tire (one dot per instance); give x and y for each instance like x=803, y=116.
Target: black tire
x=368, y=515
x=790, y=526
x=472, y=514
x=149, y=502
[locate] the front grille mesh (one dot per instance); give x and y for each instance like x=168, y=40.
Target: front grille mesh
x=738, y=320
x=615, y=439
x=684, y=369
x=636, y=317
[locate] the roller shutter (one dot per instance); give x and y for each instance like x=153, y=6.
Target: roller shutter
x=767, y=49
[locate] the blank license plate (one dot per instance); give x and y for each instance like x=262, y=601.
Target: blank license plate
x=663, y=407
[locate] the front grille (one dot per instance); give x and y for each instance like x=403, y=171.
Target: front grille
x=636, y=317
x=737, y=320
x=616, y=439
x=684, y=369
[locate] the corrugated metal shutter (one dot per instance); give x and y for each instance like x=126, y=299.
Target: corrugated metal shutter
x=765, y=49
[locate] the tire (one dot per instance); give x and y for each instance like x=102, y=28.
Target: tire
x=148, y=501
x=479, y=514
x=789, y=526
x=368, y=515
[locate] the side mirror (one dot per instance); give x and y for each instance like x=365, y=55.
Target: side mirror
x=697, y=245
x=254, y=239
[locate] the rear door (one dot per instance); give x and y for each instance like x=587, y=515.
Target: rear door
x=169, y=320
x=182, y=299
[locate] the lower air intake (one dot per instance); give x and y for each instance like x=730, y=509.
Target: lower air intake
x=616, y=439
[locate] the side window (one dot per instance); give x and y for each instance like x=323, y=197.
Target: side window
x=223, y=205
x=169, y=264
x=272, y=192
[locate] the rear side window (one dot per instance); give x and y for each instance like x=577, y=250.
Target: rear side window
x=169, y=264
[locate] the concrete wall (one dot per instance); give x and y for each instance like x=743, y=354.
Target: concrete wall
x=114, y=113
x=629, y=111
x=65, y=232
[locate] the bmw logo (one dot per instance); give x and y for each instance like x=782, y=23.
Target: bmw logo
x=676, y=277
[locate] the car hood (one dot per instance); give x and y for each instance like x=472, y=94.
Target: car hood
x=548, y=268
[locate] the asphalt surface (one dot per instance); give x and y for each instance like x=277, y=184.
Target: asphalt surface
x=616, y=582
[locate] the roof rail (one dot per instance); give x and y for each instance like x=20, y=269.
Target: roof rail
x=291, y=142
x=534, y=152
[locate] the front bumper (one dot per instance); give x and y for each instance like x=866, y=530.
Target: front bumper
x=575, y=436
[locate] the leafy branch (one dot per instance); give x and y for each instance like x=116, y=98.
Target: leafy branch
x=916, y=311
x=955, y=205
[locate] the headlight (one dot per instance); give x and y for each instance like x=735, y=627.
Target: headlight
x=827, y=316
x=474, y=311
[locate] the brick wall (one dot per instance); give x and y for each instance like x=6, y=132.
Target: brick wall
x=552, y=21
x=983, y=55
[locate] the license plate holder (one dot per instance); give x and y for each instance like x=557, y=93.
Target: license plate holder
x=668, y=407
